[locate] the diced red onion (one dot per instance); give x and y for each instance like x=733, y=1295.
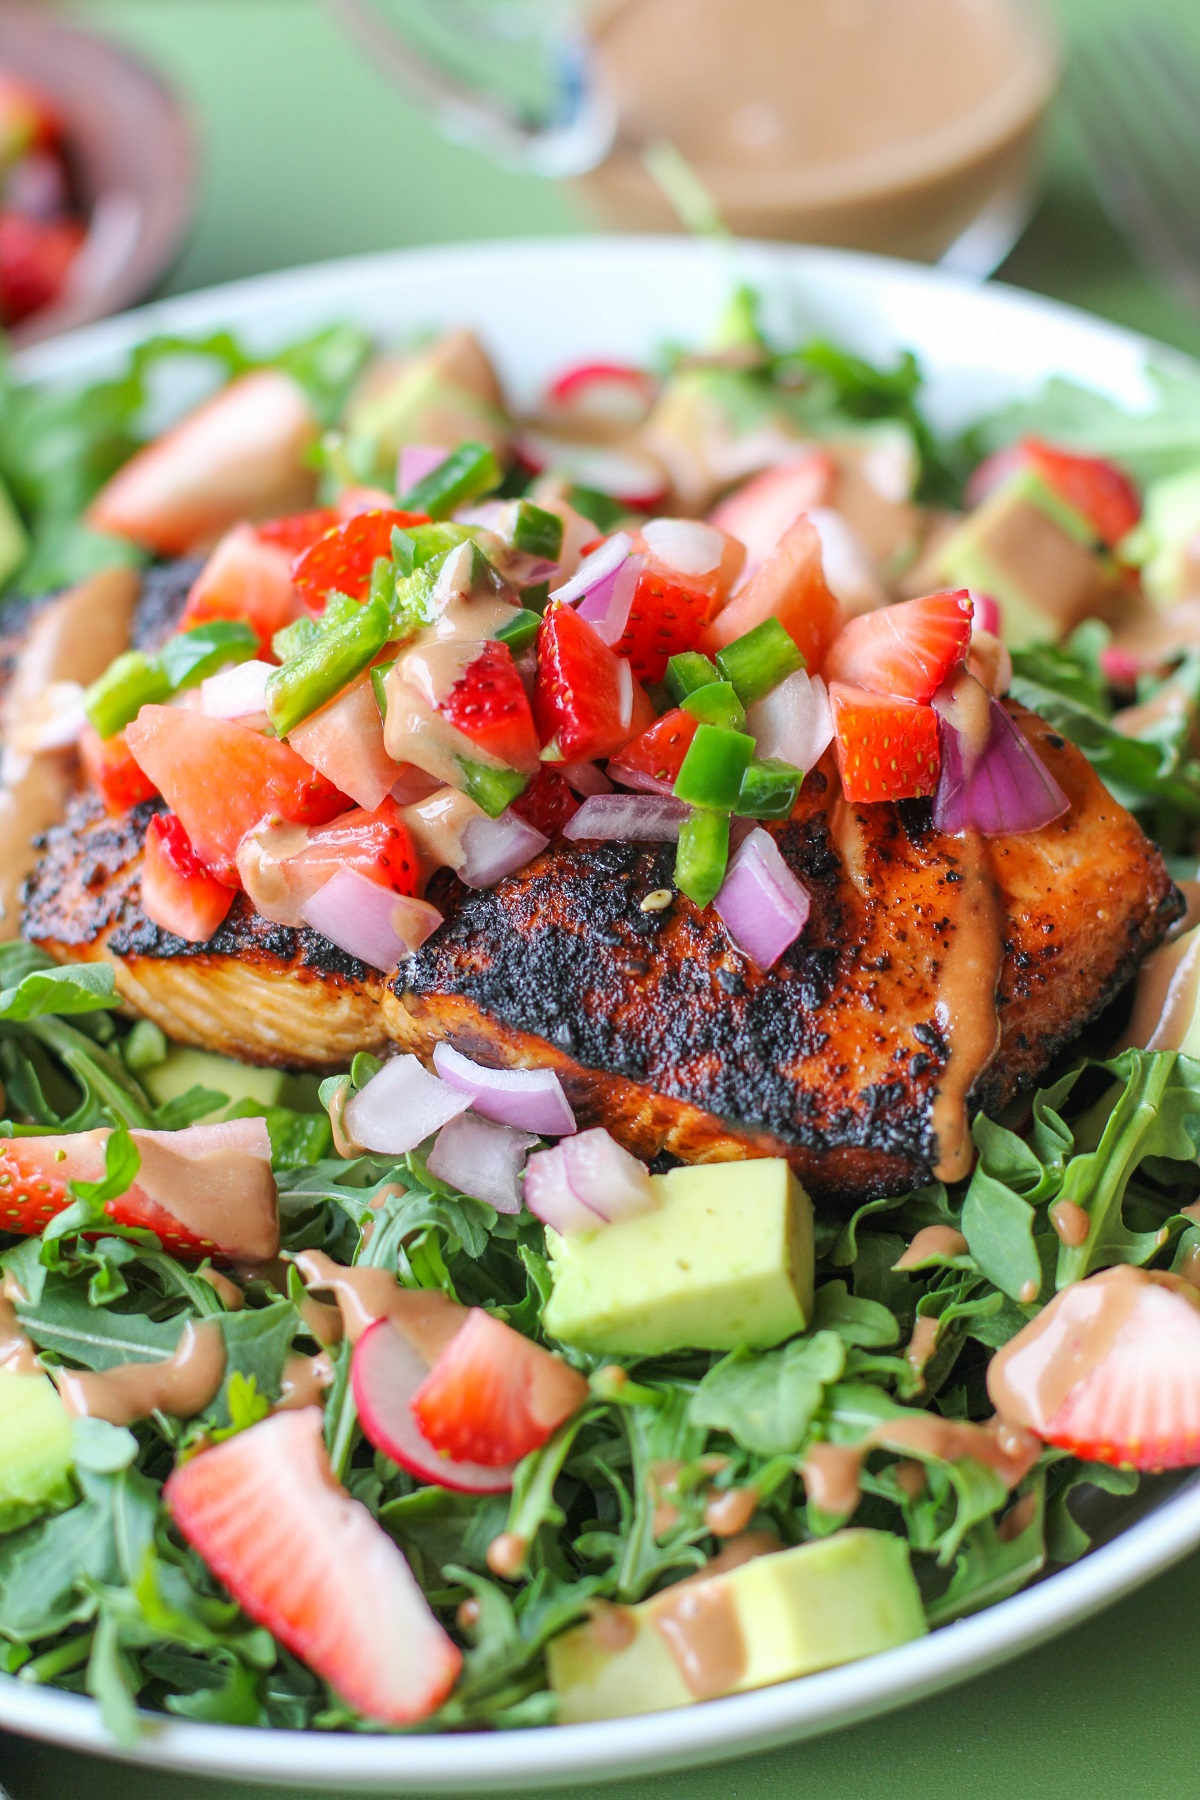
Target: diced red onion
x=483, y=1160
x=607, y=608
x=413, y=785
x=400, y=1107
x=494, y=848
x=763, y=905
x=551, y=1198
x=794, y=721
x=238, y=693
x=685, y=545
x=366, y=920
x=600, y=566
x=629, y=818
x=605, y=1177
x=530, y=1099
x=641, y=781
x=986, y=612
x=992, y=779
x=585, y=778
x=415, y=462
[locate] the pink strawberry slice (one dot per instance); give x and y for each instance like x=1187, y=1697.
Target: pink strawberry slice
x=266, y=1512
x=1131, y=1340
x=905, y=651
x=386, y=1372
x=492, y=1396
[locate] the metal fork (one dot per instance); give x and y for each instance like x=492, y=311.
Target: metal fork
x=1135, y=93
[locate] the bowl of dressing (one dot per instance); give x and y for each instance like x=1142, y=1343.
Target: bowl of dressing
x=898, y=126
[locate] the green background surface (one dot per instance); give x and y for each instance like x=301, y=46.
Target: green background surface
x=308, y=153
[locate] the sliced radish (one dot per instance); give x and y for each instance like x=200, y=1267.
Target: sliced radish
x=386, y=1372
x=633, y=476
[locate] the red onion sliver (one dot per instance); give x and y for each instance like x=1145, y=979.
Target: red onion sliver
x=585, y=778
x=551, y=1198
x=530, y=1099
x=630, y=818
x=685, y=545
x=415, y=462
x=996, y=783
x=401, y=1106
x=608, y=606
x=763, y=905
x=794, y=721
x=494, y=848
x=483, y=1160
x=600, y=566
x=238, y=693
x=605, y=1177
x=366, y=920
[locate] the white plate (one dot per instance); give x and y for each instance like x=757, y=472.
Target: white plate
x=539, y=306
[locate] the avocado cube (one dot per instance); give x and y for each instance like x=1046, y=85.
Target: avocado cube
x=779, y=1616
x=185, y=1068
x=35, y=1448
x=1036, y=557
x=725, y=1260
x=1166, y=543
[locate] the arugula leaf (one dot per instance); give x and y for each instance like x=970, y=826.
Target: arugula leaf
x=48, y=1571
x=767, y=1402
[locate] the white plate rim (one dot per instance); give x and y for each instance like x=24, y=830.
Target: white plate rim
x=770, y=1717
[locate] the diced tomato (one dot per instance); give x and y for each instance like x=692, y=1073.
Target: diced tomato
x=790, y=586
x=224, y=779
x=342, y=560
x=906, y=650
x=761, y=510
x=547, y=802
x=246, y=577
x=887, y=749
x=269, y=1517
x=242, y=455
x=489, y=705
x=178, y=892
x=35, y=256
x=1099, y=490
x=581, y=699
x=109, y=765
x=492, y=1396
x=659, y=752
x=344, y=741
x=298, y=532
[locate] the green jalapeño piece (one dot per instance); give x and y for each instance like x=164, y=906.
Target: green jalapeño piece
x=686, y=673
x=769, y=790
x=702, y=855
x=313, y=678
x=716, y=704
x=467, y=473
x=492, y=789
x=713, y=768
x=759, y=661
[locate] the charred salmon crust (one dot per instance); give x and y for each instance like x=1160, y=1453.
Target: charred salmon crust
x=255, y=990
x=663, y=1031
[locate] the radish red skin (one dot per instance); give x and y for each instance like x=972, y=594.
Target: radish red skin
x=385, y=1373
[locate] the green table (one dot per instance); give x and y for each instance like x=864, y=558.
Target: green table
x=310, y=154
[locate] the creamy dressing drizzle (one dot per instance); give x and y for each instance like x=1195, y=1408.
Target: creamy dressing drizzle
x=1070, y=1222
x=182, y=1385
x=922, y=1344
x=437, y=825
x=305, y=1380
x=966, y=1007
x=17, y=1353
x=933, y=1240
x=428, y=1319
x=227, y=1291
x=831, y=1472
x=216, y=1185
x=422, y=677
x=699, y=1625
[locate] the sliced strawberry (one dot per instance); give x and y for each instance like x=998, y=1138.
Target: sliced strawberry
x=492, y=1396
x=223, y=779
x=906, y=651
x=184, y=1176
x=790, y=586
x=178, y=892
x=886, y=749
x=297, y=532
x=242, y=455
x=1137, y=1402
x=109, y=765
x=342, y=560
x=761, y=510
x=489, y=705
x=344, y=742
x=689, y=570
x=659, y=752
x=266, y=1512
x=386, y=1371
x=547, y=802
x=246, y=577
x=35, y=256
x=582, y=699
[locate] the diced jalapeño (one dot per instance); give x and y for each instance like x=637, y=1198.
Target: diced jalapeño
x=132, y=681
x=519, y=631
x=716, y=704
x=492, y=789
x=759, y=661
x=319, y=673
x=702, y=855
x=535, y=532
x=712, y=770
x=769, y=790
x=467, y=472
x=379, y=675
x=601, y=509
x=686, y=673
x=192, y=656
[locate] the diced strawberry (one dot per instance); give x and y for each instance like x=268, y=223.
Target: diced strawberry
x=906, y=650
x=674, y=600
x=35, y=1174
x=109, y=765
x=378, y=844
x=344, y=742
x=246, y=577
x=790, y=586
x=1137, y=1403
x=582, y=699
x=223, y=779
x=489, y=705
x=297, y=532
x=492, y=1396
x=887, y=749
x=660, y=751
x=35, y=255
x=547, y=802
x=242, y=455
x=178, y=892
x=269, y=1517
x=761, y=510
x=1099, y=490
x=342, y=560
